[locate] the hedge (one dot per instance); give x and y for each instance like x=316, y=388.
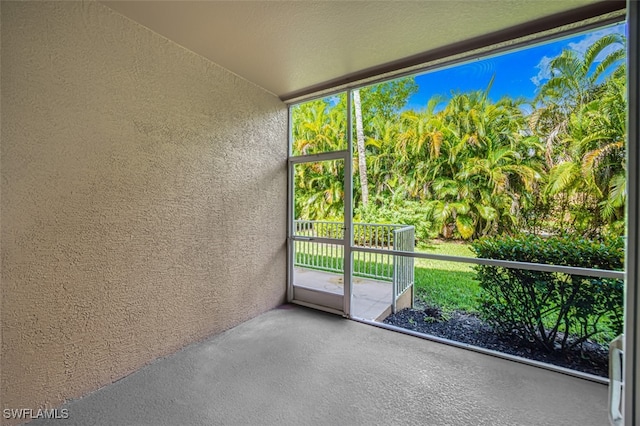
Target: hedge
x=555, y=311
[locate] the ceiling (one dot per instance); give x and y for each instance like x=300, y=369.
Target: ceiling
x=289, y=47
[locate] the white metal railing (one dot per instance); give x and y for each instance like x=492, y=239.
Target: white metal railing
x=403, y=273
x=374, y=235
x=322, y=255
x=327, y=256
x=319, y=229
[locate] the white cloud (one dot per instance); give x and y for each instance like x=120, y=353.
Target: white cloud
x=544, y=72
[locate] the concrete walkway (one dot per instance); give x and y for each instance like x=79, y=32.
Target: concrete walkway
x=370, y=297
x=296, y=366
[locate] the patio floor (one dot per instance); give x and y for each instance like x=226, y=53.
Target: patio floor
x=297, y=366
x=371, y=298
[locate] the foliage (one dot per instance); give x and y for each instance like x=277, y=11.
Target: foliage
x=556, y=311
x=468, y=166
x=319, y=126
x=404, y=212
x=386, y=99
x=580, y=119
x=319, y=191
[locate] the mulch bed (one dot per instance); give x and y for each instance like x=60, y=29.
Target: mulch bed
x=468, y=328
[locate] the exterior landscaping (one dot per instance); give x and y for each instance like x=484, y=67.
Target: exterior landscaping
x=539, y=180
x=566, y=320
x=523, y=313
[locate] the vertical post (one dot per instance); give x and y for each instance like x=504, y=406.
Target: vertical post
x=389, y=246
x=394, y=283
x=348, y=212
x=290, y=213
x=413, y=273
x=376, y=261
x=631, y=402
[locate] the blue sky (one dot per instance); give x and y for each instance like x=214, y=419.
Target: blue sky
x=517, y=73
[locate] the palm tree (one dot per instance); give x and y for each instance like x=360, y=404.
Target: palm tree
x=319, y=126
x=574, y=78
x=380, y=101
x=418, y=148
x=581, y=118
x=573, y=83
x=319, y=190
x=593, y=173
x=362, y=160
x=382, y=163
x=483, y=165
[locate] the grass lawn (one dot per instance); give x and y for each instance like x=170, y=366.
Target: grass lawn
x=450, y=285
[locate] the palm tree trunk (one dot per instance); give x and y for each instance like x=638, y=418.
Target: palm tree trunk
x=362, y=160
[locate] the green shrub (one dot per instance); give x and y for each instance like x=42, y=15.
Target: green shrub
x=404, y=212
x=556, y=311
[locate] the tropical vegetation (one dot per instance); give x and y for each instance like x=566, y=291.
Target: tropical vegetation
x=538, y=180
x=555, y=311
x=470, y=166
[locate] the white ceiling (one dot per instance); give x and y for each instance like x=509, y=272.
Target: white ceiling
x=288, y=46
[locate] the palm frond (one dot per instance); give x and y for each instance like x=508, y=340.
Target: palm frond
x=562, y=177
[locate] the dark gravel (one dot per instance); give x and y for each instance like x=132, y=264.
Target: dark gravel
x=468, y=328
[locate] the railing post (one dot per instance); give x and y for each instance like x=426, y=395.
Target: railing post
x=412, y=278
x=394, y=291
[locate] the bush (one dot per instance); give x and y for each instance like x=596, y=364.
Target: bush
x=402, y=212
x=556, y=311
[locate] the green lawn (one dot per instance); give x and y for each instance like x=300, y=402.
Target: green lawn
x=450, y=285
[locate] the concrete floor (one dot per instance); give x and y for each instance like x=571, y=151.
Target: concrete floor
x=296, y=366
x=370, y=297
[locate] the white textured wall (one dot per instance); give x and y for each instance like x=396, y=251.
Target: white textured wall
x=143, y=199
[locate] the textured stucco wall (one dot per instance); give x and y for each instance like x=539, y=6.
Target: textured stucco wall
x=143, y=199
